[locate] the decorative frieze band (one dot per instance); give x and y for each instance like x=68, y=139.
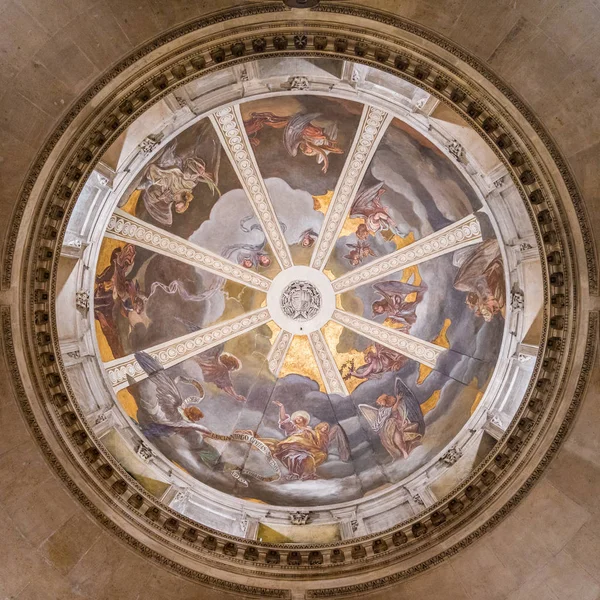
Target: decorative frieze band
x=423, y=352
x=454, y=237
x=279, y=350
x=229, y=125
x=373, y=125
x=332, y=378
x=177, y=350
x=123, y=226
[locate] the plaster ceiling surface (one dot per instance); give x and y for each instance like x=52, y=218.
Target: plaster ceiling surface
x=299, y=300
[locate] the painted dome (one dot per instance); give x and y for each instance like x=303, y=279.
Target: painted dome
x=300, y=300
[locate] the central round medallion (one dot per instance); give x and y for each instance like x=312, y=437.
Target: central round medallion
x=301, y=300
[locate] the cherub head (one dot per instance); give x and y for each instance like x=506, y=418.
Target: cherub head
x=247, y=263
x=183, y=201
x=378, y=307
x=308, y=239
x=362, y=232
x=354, y=257
x=264, y=260
x=139, y=304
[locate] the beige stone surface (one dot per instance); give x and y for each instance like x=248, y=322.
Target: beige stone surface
x=51, y=50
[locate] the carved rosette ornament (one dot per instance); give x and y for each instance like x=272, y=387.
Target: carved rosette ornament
x=115, y=498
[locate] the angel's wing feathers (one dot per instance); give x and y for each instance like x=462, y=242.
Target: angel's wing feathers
x=294, y=130
x=168, y=158
x=189, y=325
x=338, y=435
x=363, y=204
x=167, y=394
x=194, y=426
x=331, y=131
x=413, y=408
x=389, y=288
x=370, y=413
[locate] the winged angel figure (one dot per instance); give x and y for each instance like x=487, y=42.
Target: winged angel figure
x=300, y=133
x=394, y=304
x=398, y=420
x=171, y=179
x=368, y=206
x=168, y=411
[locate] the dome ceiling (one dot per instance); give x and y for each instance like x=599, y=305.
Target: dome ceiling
x=311, y=281
x=299, y=300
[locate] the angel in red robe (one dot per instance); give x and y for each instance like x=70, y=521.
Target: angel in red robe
x=217, y=367
x=300, y=133
x=394, y=303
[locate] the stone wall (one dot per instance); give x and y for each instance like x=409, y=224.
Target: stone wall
x=51, y=50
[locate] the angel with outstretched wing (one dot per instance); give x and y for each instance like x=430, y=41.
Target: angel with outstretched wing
x=368, y=206
x=217, y=367
x=481, y=276
x=168, y=411
x=302, y=134
x=393, y=301
x=398, y=420
x=171, y=179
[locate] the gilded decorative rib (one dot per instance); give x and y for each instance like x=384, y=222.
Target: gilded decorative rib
x=372, y=126
x=454, y=237
x=175, y=351
x=123, y=226
x=229, y=125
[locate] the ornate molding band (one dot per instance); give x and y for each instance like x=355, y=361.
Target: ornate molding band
x=423, y=352
x=373, y=124
x=278, y=351
x=123, y=226
x=229, y=125
x=175, y=351
x=332, y=378
x=458, y=235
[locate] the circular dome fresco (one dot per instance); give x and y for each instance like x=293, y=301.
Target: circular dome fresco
x=299, y=305
x=299, y=300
